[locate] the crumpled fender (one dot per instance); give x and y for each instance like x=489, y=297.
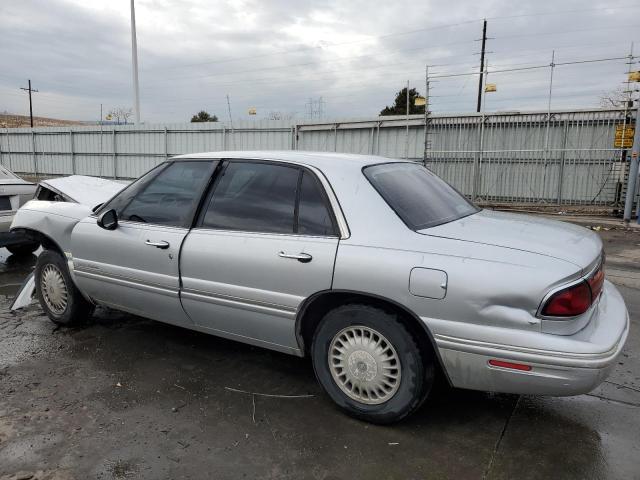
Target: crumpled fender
x=55, y=220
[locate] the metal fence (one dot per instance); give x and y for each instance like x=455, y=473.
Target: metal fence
x=565, y=158
x=561, y=158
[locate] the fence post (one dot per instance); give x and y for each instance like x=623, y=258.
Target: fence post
x=371, y=140
x=335, y=137
x=224, y=138
x=35, y=157
x=115, y=156
x=166, y=149
x=9, y=149
x=562, y=156
x=72, y=152
x=633, y=169
x=477, y=162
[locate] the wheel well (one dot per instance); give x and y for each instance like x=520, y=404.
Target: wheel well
x=320, y=304
x=42, y=239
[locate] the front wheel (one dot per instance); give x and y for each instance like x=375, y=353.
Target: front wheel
x=59, y=297
x=370, y=364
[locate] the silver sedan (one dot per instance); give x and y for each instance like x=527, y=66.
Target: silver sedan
x=376, y=269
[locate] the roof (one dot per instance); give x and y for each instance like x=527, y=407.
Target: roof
x=320, y=160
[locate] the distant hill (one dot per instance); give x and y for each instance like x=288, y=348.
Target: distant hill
x=18, y=121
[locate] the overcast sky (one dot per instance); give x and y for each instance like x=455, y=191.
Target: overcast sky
x=274, y=55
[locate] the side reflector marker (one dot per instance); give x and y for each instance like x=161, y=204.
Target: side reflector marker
x=514, y=366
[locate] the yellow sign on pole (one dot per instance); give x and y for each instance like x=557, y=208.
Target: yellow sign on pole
x=634, y=76
x=490, y=87
x=420, y=101
x=252, y=111
x=624, y=136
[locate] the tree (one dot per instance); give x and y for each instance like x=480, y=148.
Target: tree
x=203, y=116
x=120, y=114
x=400, y=104
x=615, y=98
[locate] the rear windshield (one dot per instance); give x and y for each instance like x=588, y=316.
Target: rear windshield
x=420, y=198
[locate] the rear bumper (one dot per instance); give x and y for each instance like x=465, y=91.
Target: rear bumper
x=584, y=361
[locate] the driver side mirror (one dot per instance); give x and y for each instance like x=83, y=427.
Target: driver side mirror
x=108, y=220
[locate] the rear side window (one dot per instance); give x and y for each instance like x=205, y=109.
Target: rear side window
x=254, y=197
x=268, y=198
x=170, y=197
x=419, y=197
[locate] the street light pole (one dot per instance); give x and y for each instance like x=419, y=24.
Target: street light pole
x=134, y=60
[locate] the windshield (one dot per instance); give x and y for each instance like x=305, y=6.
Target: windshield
x=419, y=197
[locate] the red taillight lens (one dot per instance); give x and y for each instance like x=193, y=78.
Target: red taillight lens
x=569, y=302
x=596, y=282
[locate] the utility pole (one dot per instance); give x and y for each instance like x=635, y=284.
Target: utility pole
x=134, y=61
x=406, y=147
x=484, y=44
x=233, y=133
x=29, y=89
x=426, y=114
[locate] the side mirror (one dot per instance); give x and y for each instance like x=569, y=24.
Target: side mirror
x=108, y=220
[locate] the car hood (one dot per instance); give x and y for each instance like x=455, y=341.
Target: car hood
x=85, y=190
x=524, y=232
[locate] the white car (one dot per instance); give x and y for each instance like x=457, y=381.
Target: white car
x=376, y=269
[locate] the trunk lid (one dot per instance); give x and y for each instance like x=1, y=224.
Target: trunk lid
x=527, y=233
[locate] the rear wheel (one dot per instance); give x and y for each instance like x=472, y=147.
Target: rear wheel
x=370, y=364
x=59, y=298
x=23, y=249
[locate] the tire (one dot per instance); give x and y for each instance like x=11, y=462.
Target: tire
x=59, y=297
x=23, y=249
x=399, y=396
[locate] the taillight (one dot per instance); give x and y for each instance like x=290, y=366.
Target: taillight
x=569, y=302
x=596, y=282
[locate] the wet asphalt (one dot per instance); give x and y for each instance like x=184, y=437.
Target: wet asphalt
x=125, y=397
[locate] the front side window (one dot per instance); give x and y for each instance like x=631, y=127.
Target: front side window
x=269, y=198
x=419, y=197
x=170, y=197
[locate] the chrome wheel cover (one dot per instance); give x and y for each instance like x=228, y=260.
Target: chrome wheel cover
x=54, y=289
x=364, y=365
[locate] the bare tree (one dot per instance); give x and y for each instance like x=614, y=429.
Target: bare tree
x=120, y=114
x=615, y=98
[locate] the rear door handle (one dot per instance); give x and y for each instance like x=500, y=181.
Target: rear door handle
x=161, y=244
x=301, y=257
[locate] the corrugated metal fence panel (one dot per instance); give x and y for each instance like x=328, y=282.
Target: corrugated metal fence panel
x=566, y=157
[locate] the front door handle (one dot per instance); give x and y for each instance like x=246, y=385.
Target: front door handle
x=161, y=244
x=301, y=257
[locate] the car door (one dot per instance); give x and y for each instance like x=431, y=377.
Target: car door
x=135, y=267
x=265, y=240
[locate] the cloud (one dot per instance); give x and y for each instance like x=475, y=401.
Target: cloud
x=276, y=55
